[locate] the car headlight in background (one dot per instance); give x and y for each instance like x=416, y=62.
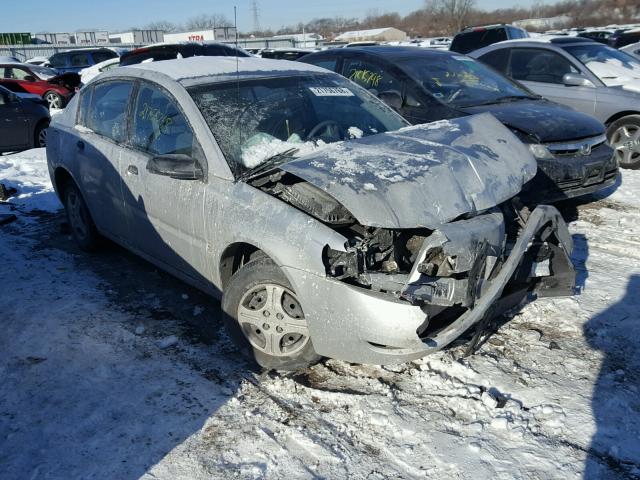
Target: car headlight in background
x=539, y=151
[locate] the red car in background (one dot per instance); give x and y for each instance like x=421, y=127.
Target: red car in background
x=56, y=89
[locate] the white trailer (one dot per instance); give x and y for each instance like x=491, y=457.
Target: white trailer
x=92, y=37
x=53, y=38
x=137, y=36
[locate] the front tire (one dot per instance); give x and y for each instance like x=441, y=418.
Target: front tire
x=54, y=99
x=264, y=317
x=40, y=135
x=624, y=138
x=82, y=226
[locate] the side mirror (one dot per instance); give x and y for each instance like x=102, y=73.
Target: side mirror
x=576, y=80
x=178, y=166
x=391, y=98
x=30, y=78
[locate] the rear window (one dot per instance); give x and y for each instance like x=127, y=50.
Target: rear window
x=79, y=60
x=469, y=41
x=498, y=59
x=58, y=61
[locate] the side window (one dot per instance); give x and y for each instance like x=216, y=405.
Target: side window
x=108, y=109
x=371, y=76
x=15, y=73
x=6, y=72
x=536, y=65
x=83, y=107
x=498, y=59
x=79, y=60
x=159, y=127
x=58, y=61
x=328, y=63
x=99, y=57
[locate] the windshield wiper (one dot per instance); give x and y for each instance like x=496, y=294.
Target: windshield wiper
x=269, y=163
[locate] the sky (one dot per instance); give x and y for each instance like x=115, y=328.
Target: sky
x=112, y=15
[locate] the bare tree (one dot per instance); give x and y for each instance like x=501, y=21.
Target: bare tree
x=452, y=14
x=163, y=25
x=204, y=22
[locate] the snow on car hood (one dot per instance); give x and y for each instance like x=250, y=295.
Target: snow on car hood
x=421, y=176
x=614, y=73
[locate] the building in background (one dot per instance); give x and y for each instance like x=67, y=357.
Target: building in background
x=388, y=34
x=137, y=36
x=543, y=23
x=220, y=34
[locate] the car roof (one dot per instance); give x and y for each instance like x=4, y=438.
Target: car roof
x=204, y=69
x=388, y=52
x=20, y=64
x=550, y=40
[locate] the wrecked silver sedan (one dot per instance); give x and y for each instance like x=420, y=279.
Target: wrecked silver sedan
x=327, y=225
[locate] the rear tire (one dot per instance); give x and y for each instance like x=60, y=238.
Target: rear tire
x=82, y=226
x=54, y=99
x=263, y=317
x=624, y=138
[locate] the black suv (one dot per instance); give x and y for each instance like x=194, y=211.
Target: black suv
x=425, y=85
x=171, y=51
x=473, y=38
x=76, y=60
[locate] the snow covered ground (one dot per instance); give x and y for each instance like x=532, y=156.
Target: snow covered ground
x=112, y=369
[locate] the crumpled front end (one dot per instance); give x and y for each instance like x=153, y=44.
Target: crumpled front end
x=460, y=273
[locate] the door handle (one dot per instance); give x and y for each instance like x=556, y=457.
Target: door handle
x=80, y=145
x=132, y=170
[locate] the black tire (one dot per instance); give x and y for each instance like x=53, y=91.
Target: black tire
x=82, y=226
x=246, y=285
x=40, y=135
x=54, y=99
x=624, y=138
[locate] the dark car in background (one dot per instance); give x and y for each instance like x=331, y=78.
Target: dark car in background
x=622, y=38
x=171, y=51
x=45, y=82
x=24, y=118
x=76, y=60
x=284, y=53
x=425, y=85
x=600, y=36
x=472, y=38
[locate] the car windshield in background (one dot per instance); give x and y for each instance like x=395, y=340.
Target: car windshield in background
x=43, y=73
x=461, y=81
x=605, y=62
x=257, y=120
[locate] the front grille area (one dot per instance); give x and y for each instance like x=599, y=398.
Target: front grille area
x=578, y=147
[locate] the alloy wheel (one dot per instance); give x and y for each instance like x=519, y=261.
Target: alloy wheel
x=54, y=100
x=626, y=143
x=76, y=215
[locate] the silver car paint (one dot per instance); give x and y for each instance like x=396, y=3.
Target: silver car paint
x=186, y=226
x=599, y=100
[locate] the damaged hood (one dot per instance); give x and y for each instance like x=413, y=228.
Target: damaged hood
x=421, y=176
x=69, y=80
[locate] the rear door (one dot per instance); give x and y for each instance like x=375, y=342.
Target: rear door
x=542, y=70
x=14, y=125
x=98, y=149
x=24, y=80
x=166, y=214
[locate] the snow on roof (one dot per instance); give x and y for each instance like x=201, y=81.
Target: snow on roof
x=197, y=67
x=364, y=33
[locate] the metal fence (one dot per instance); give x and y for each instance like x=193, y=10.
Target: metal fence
x=25, y=52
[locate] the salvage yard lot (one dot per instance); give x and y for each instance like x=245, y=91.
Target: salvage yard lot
x=113, y=369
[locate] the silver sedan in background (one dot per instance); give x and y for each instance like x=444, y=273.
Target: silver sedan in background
x=327, y=225
x=583, y=74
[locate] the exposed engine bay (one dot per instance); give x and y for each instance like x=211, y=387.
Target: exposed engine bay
x=449, y=266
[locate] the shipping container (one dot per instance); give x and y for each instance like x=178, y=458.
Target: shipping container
x=137, y=36
x=53, y=38
x=91, y=37
x=15, y=38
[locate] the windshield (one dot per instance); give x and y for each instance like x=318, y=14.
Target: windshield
x=43, y=73
x=254, y=120
x=605, y=62
x=461, y=81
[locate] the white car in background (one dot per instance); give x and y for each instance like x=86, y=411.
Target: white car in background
x=633, y=50
x=37, y=60
x=89, y=73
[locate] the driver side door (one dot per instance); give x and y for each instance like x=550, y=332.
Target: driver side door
x=14, y=126
x=166, y=215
